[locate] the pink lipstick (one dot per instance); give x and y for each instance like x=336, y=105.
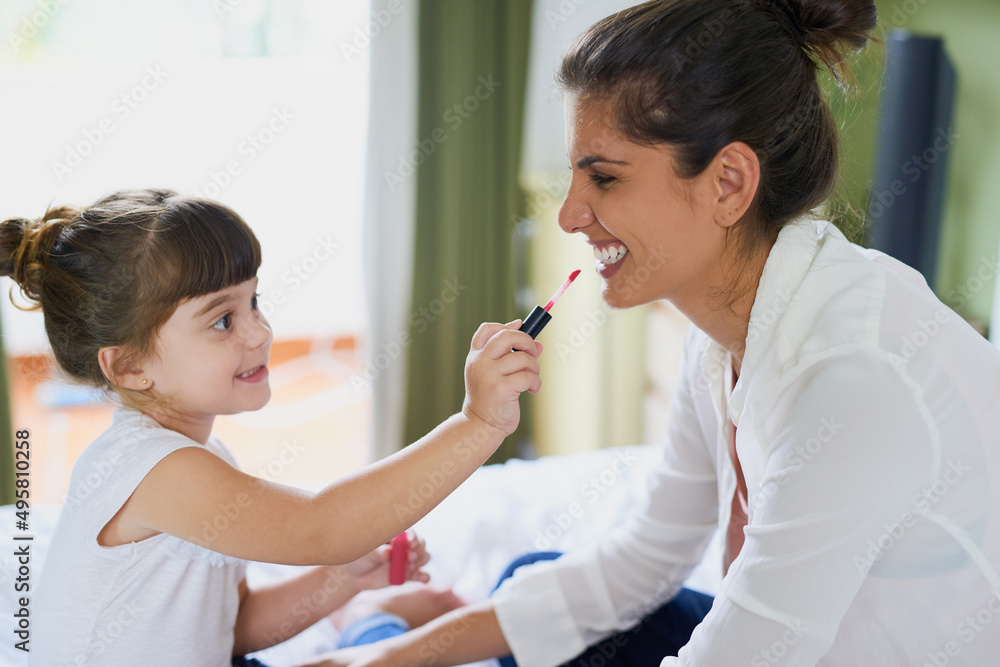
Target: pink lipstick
x=539, y=315
x=399, y=552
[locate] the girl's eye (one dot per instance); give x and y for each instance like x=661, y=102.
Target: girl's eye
x=253, y=301
x=600, y=180
x=225, y=321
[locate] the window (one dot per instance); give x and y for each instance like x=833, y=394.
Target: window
x=256, y=103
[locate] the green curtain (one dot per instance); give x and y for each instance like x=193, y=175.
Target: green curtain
x=6, y=433
x=472, y=74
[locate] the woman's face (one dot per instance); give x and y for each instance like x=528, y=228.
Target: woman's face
x=655, y=231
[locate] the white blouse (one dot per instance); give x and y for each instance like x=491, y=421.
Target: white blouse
x=868, y=429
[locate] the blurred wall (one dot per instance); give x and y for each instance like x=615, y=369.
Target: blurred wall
x=970, y=235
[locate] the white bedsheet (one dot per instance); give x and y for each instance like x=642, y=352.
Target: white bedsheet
x=503, y=511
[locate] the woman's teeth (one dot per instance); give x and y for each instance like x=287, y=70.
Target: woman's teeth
x=610, y=254
x=249, y=372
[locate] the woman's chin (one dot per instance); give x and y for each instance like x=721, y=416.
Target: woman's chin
x=617, y=298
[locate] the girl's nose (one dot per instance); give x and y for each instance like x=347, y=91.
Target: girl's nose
x=258, y=332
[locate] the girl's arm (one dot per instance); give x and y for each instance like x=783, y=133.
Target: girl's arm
x=269, y=615
x=196, y=496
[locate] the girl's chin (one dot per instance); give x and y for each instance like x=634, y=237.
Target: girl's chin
x=264, y=400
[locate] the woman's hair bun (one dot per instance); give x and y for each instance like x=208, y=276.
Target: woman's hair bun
x=25, y=245
x=827, y=28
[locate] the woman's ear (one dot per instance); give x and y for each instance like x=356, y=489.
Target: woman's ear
x=119, y=368
x=735, y=175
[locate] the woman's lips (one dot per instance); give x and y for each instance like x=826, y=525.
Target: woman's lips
x=609, y=256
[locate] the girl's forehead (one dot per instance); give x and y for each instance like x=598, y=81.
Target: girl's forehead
x=202, y=304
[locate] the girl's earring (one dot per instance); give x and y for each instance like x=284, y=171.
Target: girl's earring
x=145, y=381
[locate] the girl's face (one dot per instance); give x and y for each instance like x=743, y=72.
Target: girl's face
x=211, y=358
x=655, y=232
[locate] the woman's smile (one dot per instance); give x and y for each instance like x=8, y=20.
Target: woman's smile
x=609, y=256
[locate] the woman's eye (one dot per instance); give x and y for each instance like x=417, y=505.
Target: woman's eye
x=253, y=301
x=224, y=322
x=601, y=180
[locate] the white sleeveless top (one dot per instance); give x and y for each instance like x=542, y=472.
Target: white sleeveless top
x=160, y=601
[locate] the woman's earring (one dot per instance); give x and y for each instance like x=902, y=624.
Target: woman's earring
x=145, y=381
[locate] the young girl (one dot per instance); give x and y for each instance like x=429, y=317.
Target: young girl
x=151, y=296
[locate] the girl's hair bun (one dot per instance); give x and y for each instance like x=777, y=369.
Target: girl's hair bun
x=827, y=28
x=25, y=246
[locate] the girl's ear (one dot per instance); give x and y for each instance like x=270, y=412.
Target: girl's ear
x=119, y=368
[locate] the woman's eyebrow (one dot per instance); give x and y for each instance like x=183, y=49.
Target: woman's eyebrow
x=591, y=159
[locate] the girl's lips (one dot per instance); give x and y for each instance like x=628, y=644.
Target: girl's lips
x=258, y=375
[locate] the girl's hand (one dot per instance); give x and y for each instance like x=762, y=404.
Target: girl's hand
x=372, y=570
x=502, y=363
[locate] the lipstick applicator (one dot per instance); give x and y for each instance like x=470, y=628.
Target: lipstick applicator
x=539, y=315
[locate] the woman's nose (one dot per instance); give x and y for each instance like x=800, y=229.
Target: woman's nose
x=574, y=214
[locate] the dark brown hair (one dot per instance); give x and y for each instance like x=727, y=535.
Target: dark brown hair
x=111, y=274
x=699, y=74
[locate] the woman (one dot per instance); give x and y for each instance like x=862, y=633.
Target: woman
x=836, y=420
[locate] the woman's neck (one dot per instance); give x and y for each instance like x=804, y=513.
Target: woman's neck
x=723, y=311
